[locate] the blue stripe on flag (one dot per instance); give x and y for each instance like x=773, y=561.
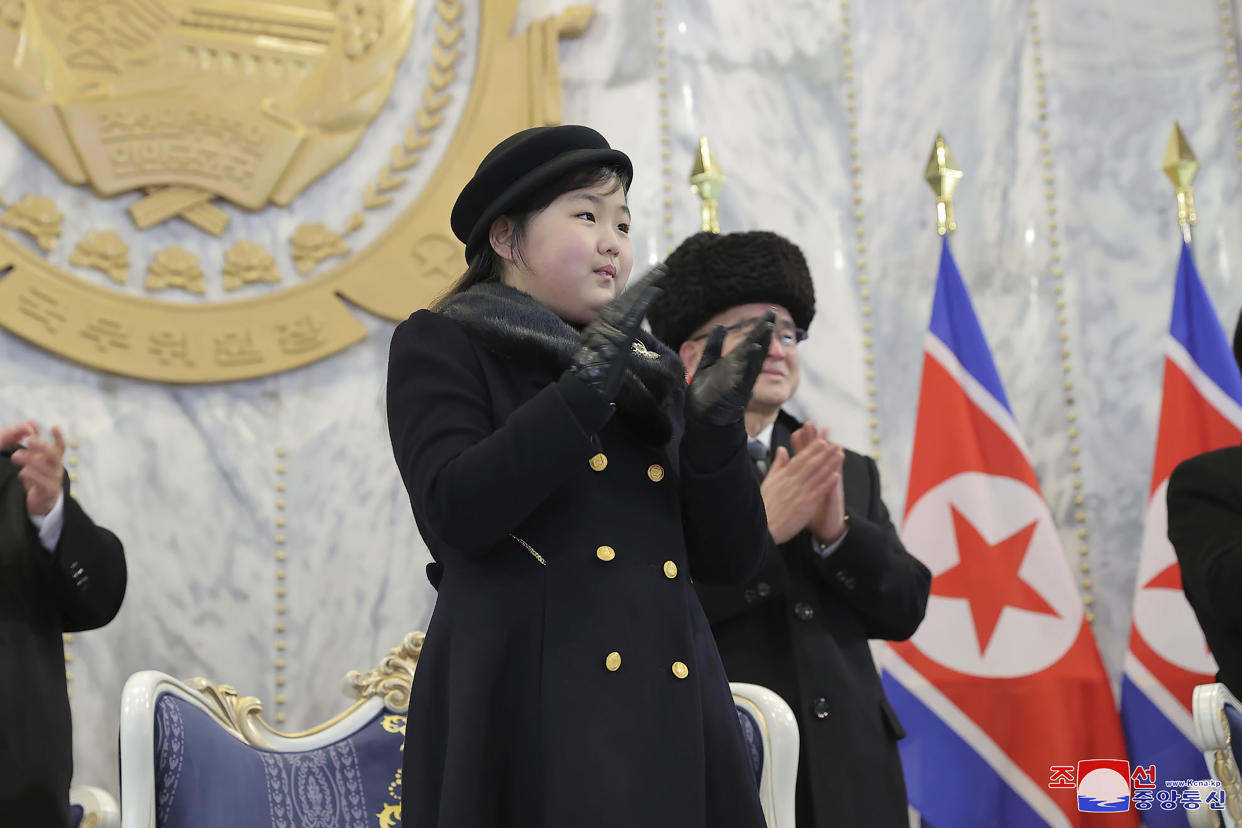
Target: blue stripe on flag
x=949, y=783
x=1153, y=740
x=1196, y=326
x=955, y=324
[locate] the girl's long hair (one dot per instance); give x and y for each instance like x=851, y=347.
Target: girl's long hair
x=486, y=266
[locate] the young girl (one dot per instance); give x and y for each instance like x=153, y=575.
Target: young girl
x=569, y=485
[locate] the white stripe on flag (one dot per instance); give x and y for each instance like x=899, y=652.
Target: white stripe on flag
x=1211, y=392
x=1159, y=695
x=975, y=390
x=1035, y=796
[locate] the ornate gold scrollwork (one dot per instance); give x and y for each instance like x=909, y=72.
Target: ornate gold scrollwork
x=393, y=676
x=242, y=715
x=391, y=679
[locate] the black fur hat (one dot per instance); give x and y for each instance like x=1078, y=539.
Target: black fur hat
x=521, y=164
x=709, y=273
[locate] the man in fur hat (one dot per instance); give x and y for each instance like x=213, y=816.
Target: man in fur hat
x=838, y=574
x=1205, y=528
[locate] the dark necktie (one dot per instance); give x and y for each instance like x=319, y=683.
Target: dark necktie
x=759, y=454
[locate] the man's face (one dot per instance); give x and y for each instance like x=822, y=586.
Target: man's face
x=779, y=379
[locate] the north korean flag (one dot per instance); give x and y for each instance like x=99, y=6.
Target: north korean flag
x=1002, y=679
x=1201, y=410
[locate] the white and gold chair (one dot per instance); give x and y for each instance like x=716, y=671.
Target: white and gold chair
x=91, y=807
x=195, y=753
x=771, y=734
x=1218, y=722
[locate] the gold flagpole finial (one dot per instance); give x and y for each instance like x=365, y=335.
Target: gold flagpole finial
x=1181, y=166
x=707, y=180
x=943, y=176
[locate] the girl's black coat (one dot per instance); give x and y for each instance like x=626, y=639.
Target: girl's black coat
x=515, y=720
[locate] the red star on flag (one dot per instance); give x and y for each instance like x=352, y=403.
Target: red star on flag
x=986, y=575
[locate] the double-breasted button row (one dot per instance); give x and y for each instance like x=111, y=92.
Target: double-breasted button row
x=607, y=554
x=599, y=462
x=612, y=663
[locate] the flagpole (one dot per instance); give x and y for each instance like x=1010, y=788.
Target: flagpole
x=943, y=176
x=707, y=180
x=1181, y=166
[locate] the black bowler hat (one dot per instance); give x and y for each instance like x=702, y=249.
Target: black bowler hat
x=710, y=273
x=520, y=164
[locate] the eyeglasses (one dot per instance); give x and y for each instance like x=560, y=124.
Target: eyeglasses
x=785, y=333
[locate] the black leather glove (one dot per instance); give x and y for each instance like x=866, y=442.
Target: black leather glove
x=607, y=342
x=721, y=387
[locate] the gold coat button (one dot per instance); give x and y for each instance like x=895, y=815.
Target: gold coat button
x=599, y=462
x=605, y=553
x=613, y=662
x=670, y=570
x=656, y=472
x=679, y=669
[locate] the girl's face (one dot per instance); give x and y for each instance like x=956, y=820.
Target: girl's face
x=575, y=253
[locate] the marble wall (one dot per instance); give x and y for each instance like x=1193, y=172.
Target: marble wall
x=822, y=115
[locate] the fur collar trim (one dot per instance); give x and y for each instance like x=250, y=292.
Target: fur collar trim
x=513, y=324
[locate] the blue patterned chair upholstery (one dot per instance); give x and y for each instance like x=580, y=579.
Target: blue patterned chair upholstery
x=195, y=754
x=91, y=807
x=771, y=734
x=1218, y=721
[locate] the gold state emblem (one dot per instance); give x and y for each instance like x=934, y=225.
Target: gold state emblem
x=213, y=150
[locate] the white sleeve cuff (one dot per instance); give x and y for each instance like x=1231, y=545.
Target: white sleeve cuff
x=825, y=550
x=49, y=525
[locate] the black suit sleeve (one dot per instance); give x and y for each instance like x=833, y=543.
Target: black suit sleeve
x=454, y=459
x=1205, y=528
x=872, y=571
x=86, y=570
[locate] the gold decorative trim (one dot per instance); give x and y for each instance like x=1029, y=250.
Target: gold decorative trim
x=666, y=128
x=246, y=263
x=243, y=715
x=1057, y=272
x=282, y=594
x=430, y=115
x=1229, y=39
x=105, y=251
x=515, y=84
x=37, y=217
x=639, y=349
x=312, y=243
x=860, y=229
x=175, y=267
x=530, y=549
x=392, y=677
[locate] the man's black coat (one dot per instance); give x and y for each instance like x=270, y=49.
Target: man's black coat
x=1205, y=528
x=801, y=627
x=77, y=586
